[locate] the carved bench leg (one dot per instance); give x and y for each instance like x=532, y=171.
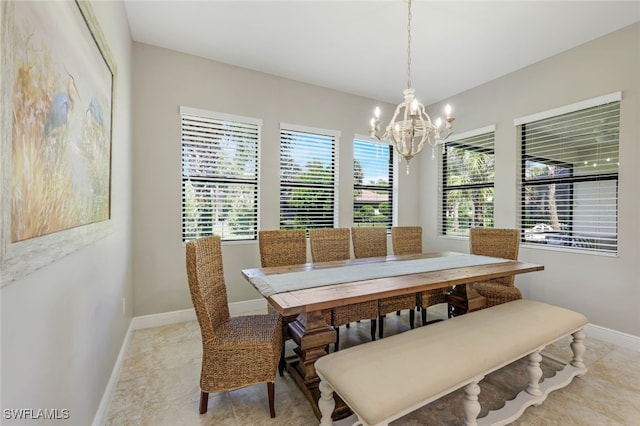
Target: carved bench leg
x=578, y=348
x=534, y=373
x=470, y=404
x=326, y=404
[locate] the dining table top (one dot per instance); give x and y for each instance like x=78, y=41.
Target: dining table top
x=317, y=286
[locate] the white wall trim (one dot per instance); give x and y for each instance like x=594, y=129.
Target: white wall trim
x=566, y=109
x=618, y=338
x=103, y=409
x=164, y=318
x=625, y=340
x=156, y=320
x=308, y=129
x=221, y=116
x=471, y=133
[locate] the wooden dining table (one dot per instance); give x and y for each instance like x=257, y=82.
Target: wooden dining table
x=306, y=290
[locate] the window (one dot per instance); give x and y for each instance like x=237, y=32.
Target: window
x=569, y=174
x=219, y=175
x=372, y=183
x=307, y=177
x=467, y=182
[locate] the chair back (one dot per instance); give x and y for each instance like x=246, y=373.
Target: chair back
x=282, y=247
x=496, y=242
x=406, y=239
x=329, y=244
x=206, y=283
x=369, y=241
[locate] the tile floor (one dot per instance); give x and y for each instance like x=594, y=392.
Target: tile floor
x=158, y=385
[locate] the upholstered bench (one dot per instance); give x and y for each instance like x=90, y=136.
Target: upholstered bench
x=383, y=380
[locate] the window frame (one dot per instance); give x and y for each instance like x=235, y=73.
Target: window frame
x=391, y=188
x=567, y=239
x=221, y=119
x=333, y=135
x=458, y=140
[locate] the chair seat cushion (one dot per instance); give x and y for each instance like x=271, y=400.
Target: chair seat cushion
x=355, y=312
x=432, y=297
x=497, y=293
x=396, y=303
x=244, y=350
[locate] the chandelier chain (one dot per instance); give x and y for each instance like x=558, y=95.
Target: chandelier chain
x=411, y=127
x=409, y=47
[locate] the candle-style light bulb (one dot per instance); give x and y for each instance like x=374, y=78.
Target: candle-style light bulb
x=376, y=113
x=438, y=122
x=414, y=106
x=447, y=110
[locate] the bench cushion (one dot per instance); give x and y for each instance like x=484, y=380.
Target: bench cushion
x=394, y=375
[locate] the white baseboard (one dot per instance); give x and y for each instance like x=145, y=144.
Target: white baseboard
x=165, y=318
x=619, y=338
x=103, y=409
x=259, y=305
x=156, y=320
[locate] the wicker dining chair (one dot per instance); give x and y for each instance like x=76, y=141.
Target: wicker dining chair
x=371, y=241
x=496, y=242
x=331, y=244
x=283, y=247
x=408, y=240
x=236, y=351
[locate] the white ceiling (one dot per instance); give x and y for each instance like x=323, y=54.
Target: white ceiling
x=360, y=47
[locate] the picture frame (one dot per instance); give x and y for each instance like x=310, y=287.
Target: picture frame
x=57, y=85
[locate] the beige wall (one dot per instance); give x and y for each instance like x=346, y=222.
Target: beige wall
x=163, y=81
x=62, y=326
x=605, y=289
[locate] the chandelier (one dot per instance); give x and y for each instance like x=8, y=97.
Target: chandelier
x=410, y=127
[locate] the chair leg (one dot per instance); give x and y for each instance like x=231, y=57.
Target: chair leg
x=204, y=402
x=373, y=329
x=381, y=326
x=412, y=318
x=398, y=313
x=336, y=345
x=424, y=316
x=281, y=364
x=271, y=391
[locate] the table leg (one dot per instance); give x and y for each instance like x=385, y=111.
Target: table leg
x=312, y=334
x=465, y=298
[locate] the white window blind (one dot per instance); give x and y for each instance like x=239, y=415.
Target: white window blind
x=219, y=175
x=307, y=178
x=372, y=184
x=569, y=179
x=467, y=182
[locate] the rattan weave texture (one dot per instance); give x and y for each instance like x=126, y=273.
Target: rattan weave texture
x=408, y=240
x=285, y=247
x=496, y=242
x=331, y=244
x=371, y=241
x=236, y=351
x=282, y=247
